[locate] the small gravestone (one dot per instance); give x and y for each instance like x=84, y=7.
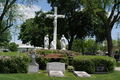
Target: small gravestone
x=81, y=74
x=56, y=74
x=100, y=70
x=55, y=69
x=33, y=66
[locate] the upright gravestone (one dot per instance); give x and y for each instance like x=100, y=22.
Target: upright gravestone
x=33, y=66
x=56, y=66
x=55, y=69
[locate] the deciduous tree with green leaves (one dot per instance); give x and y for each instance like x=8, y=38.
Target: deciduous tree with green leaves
x=101, y=8
x=5, y=37
x=35, y=29
x=92, y=46
x=76, y=23
x=8, y=13
x=79, y=45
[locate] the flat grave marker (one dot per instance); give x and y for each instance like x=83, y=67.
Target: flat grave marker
x=56, y=74
x=81, y=74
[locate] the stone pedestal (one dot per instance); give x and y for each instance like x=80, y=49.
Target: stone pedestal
x=33, y=69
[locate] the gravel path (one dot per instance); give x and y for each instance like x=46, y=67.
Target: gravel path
x=117, y=68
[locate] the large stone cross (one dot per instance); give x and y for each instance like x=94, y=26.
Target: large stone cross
x=33, y=56
x=55, y=16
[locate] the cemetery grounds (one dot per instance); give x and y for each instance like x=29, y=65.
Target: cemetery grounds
x=42, y=75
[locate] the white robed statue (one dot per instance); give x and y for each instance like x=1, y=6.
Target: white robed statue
x=46, y=42
x=63, y=43
x=52, y=45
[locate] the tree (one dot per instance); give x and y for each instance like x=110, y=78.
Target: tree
x=101, y=8
x=79, y=45
x=5, y=37
x=118, y=42
x=92, y=46
x=8, y=13
x=76, y=23
x=35, y=29
x=103, y=46
x=13, y=46
x=114, y=45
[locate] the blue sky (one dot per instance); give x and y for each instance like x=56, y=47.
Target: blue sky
x=42, y=4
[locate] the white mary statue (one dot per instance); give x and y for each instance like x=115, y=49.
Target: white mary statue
x=46, y=42
x=52, y=45
x=63, y=43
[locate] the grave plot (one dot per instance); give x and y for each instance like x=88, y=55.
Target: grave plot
x=55, y=69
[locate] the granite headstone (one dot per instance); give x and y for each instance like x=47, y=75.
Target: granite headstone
x=55, y=66
x=33, y=66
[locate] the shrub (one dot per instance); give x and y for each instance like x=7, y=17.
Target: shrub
x=12, y=46
x=69, y=53
x=88, y=63
x=43, y=52
x=42, y=62
x=14, y=64
x=63, y=55
x=65, y=60
x=70, y=68
x=118, y=64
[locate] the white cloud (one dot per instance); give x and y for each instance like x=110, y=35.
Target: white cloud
x=28, y=11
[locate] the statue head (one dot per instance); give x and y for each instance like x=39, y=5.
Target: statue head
x=47, y=35
x=63, y=35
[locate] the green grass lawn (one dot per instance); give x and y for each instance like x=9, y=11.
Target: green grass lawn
x=68, y=76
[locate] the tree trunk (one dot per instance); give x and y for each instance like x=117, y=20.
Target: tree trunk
x=70, y=43
x=109, y=41
x=0, y=33
x=82, y=50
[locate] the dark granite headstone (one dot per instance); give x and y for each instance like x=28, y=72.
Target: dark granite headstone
x=117, y=57
x=88, y=53
x=100, y=70
x=33, y=66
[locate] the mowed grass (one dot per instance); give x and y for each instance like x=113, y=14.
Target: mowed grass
x=68, y=76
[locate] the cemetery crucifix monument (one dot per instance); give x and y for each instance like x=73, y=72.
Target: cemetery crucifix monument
x=55, y=16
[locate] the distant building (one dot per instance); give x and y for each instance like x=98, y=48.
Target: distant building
x=24, y=48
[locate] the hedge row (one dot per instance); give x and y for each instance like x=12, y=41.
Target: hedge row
x=14, y=64
x=88, y=63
